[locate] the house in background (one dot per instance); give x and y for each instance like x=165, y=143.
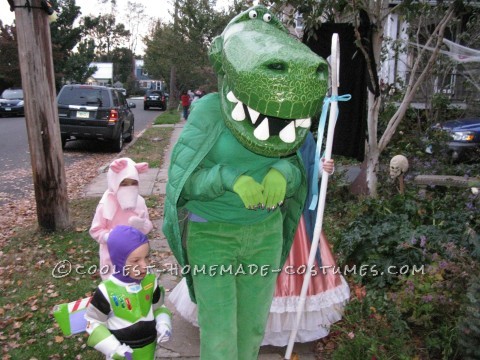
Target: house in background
x=455, y=82
x=103, y=76
x=144, y=82
x=459, y=82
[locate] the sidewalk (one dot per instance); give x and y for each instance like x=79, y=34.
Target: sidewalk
x=185, y=343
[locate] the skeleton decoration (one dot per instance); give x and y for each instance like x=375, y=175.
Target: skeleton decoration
x=398, y=166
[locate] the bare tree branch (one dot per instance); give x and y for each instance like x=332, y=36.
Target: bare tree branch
x=414, y=84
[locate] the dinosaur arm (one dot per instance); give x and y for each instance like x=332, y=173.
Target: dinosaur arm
x=209, y=183
x=291, y=173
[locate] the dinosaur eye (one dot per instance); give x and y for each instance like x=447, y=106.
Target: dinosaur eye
x=252, y=14
x=267, y=17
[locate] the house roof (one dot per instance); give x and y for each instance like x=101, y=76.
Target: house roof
x=104, y=70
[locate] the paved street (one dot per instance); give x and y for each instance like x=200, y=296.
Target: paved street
x=15, y=167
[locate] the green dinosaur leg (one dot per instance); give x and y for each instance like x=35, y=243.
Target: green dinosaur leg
x=255, y=292
x=234, y=304
x=209, y=244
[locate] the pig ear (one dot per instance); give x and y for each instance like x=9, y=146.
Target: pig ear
x=141, y=167
x=118, y=165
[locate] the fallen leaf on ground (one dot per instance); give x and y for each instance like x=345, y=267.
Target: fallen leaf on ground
x=17, y=325
x=59, y=339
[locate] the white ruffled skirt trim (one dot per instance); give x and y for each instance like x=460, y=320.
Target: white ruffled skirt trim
x=180, y=298
x=321, y=310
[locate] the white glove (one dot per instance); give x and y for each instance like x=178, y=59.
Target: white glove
x=137, y=222
x=105, y=237
x=164, y=327
x=121, y=350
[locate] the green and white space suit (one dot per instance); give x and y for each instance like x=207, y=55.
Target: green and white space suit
x=125, y=313
x=126, y=316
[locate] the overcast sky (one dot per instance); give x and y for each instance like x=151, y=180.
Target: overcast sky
x=154, y=9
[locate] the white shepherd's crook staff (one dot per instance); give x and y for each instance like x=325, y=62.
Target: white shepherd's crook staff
x=334, y=62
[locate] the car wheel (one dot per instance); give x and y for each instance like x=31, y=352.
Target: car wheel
x=131, y=133
x=118, y=142
x=145, y=107
x=64, y=142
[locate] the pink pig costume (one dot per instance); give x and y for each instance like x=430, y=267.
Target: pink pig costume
x=119, y=205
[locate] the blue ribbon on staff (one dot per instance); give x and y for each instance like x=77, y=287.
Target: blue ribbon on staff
x=321, y=128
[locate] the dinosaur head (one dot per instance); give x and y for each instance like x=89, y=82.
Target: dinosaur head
x=271, y=85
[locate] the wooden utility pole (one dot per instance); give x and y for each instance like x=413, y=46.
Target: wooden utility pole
x=172, y=102
x=41, y=114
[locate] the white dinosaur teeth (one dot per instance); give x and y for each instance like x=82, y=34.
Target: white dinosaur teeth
x=238, y=113
x=262, y=132
x=232, y=97
x=287, y=134
x=253, y=115
x=304, y=123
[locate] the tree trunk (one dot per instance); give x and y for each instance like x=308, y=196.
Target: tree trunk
x=172, y=101
x=41, y=115
x=372, y=168
x=373, y=151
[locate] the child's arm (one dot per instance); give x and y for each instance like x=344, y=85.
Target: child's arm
x=100, y=336
x=163, y=316
x=99, y=229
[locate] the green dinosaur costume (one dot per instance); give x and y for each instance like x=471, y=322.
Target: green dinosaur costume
x=238, y=147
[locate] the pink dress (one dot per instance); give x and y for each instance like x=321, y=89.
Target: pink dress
x=326, y=296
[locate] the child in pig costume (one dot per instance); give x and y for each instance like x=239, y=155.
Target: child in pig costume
x=121, y=204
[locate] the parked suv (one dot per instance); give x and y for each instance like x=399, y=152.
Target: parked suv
x=95, y=112
x=154, y=98
x=11, y=103
x=463, y=138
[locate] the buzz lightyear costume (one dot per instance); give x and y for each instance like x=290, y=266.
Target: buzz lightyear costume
x=125, y=316
x=236, y=184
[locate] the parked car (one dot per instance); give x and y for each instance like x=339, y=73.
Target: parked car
x=11, y=103
x=95, y=112
x=463, y=137
x=154, y=98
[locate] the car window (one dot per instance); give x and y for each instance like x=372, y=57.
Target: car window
x=158, y=93
x=12, y=94
x=122, y=99
x=116, y=101
x=84, y=96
